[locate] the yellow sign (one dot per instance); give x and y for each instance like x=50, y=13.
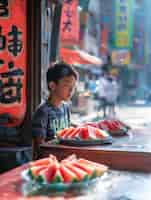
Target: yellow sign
x=121, y=57
x=122, y=39
x=123, y=23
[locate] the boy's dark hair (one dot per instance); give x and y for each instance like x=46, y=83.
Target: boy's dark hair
x=60, y=70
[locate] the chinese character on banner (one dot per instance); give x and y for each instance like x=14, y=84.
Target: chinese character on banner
x=69, y=30
x=12, y=61
x=4, y=9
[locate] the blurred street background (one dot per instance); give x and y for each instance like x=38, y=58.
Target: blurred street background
x=135, y=115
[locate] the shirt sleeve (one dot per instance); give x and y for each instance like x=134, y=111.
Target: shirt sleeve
x=39, y=123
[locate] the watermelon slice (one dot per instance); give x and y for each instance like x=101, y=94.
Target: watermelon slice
x=100, y=168
x=81, y=174
x=103, y=125
x=70, y=158
x=75, y=133
x=57, y=178
x=67, y=174
x=62, y=132
x=93, y=124
x=115, y=126
x=49, y=173
x=52, y=159
x=123, y=124
x=92, y=131
x=90, y=170
x=84, y=133
x=68, y=132
x=101, y=134
x=44, y=161
x=34, y=171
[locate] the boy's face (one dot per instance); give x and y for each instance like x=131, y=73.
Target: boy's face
x=65, y=88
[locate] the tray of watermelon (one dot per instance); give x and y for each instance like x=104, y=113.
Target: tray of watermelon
x=47, y=176
x=114, y=127
x=83, y=136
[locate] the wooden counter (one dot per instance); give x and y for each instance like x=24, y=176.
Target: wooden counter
x=132, y=152
x=114, y=185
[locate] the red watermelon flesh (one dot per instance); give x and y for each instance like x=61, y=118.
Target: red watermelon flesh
x=81, y=174
x=93, y=124
x=68, y=132
x=53, y=159
x=61, y=133
x=35, y=170
x=92, y=132
x=75, y=133
x=114, y=126
x=69, y=159
x=44, y=161
x=88, y=169
x=49, y=172
x=101, y=134
x=84, y=134
x=122, y=124
x=67, y=174
x=100, y=168
x=57, y=178
x=103, y=125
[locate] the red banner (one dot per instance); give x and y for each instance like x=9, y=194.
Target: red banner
x=12, y=62
x=69, y=31
x=104, y=41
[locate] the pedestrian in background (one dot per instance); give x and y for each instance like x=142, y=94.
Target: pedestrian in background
x=112, y=92
x=102, y=92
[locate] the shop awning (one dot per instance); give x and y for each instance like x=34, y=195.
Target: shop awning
x=78, y=57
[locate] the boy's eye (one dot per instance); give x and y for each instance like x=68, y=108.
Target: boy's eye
x=69, y=86
x=66, y=85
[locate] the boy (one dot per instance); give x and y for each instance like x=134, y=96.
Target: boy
x=54, y=115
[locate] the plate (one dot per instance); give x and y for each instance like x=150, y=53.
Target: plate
x=122, y=132
x=31, y=187
x=25, y=175
x=78, y=142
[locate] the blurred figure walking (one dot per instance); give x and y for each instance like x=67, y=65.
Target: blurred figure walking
x=112, y=92
x=102, y=93
x=108, y=94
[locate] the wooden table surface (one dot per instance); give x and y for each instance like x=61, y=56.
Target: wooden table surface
x=132, y=152
x=115, y=185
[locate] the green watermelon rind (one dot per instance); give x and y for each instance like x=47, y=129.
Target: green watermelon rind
x=33, y=188
x=58, y=179
x=30, y=174
x=31, y=177
x=94, y=175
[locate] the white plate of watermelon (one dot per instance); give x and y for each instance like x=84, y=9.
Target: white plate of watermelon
x=83, y=136
x=49, y=175
x=79, y=142
x=114, y=127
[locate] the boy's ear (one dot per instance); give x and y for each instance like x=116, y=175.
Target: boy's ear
x=51, y=85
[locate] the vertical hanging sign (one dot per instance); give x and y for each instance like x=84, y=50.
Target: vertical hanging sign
x=12, y=62
x=123, y=23
x=104, y=40
x=69, y=31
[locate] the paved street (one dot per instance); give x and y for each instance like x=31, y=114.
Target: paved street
x=135, y=116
